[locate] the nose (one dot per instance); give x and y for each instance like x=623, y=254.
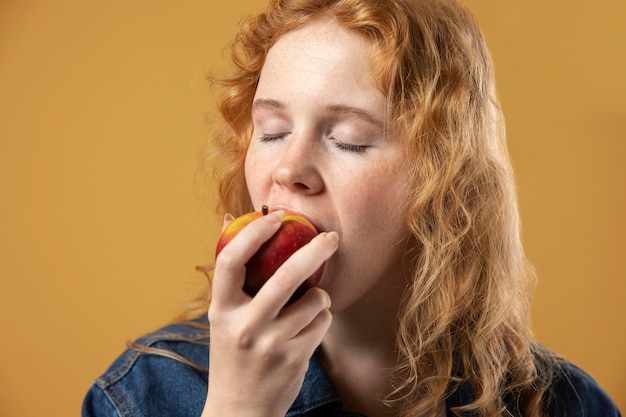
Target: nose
x=297, y=168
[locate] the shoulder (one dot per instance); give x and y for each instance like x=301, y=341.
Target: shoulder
x=575, y=393
x=162, y=373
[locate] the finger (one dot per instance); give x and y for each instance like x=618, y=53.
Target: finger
x=275, y=293
x=311, y=336
x=301, y=313
x=230, y=264
x=228, y=219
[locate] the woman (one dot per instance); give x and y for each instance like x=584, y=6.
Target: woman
x=378, y=121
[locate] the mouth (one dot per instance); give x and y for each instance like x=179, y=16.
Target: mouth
x=317, y=225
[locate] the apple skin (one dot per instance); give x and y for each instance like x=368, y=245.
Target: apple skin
x=295, y=231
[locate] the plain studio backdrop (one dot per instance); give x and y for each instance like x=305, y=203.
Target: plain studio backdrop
x=102, y=122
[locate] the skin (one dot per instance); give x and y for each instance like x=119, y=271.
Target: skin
x=318, y=148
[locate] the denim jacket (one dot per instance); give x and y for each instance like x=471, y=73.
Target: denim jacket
x=148, y=385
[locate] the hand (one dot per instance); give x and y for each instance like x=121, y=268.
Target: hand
x=260, y=349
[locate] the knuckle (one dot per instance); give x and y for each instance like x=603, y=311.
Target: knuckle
x=269, y=348
x=272, y=351
x=320, y=296
x=236, y=333
x=325, y=316
x=282, y=279
x=215, y=315
x=226, y=262
x=322, y=322
x=244, y=339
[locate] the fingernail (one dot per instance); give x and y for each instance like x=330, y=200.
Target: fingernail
x=333, y=237
x=275, y=216
x=228, y=217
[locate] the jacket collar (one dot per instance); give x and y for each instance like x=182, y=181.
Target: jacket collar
x=318, y=391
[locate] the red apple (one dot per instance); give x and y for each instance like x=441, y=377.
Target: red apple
x=294, y=232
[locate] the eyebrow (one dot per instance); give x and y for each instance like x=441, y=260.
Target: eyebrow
x=357, y=112
x=268, y=104
x=340, y=109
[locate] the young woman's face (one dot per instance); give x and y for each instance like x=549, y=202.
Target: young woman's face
x=319, y=148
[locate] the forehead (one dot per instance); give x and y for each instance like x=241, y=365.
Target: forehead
x=319, y=58
x=322, y=33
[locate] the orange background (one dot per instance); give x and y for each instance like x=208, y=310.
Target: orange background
x=102, y=121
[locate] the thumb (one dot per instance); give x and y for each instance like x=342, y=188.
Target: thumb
x=228, y=219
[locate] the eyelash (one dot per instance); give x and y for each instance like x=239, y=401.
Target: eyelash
x=270, y=138
x=350, y=148
x=346, y=147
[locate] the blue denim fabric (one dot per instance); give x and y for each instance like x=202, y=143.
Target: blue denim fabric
x=142, y=385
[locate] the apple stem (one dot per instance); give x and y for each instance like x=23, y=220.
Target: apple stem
x=264, y=210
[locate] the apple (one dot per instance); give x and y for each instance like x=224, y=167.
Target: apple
x=295, y=231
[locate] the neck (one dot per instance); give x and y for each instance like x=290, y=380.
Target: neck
x=368, y=329
x=369, y=324
x=359, y=350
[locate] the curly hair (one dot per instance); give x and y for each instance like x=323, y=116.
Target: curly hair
x=465, y=316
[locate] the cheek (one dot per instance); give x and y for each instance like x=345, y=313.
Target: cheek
x=384, y=187
x=377, y=203
x=254, y=175
x=249, y=168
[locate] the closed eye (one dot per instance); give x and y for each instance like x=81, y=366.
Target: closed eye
x=272, y=137
x=350, y=148
x=346, y=147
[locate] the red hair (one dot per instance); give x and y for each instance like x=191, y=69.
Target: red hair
x=465, y=316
